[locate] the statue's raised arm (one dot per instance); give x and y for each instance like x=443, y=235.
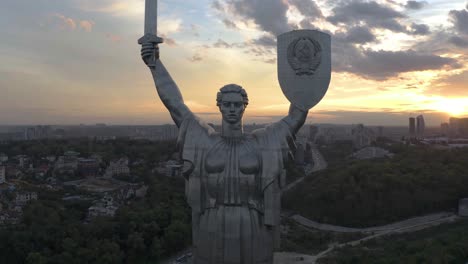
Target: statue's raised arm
x=167, y=89
x=295, y=118
x=304, y=71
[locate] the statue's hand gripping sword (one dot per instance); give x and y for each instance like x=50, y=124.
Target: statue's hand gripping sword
x=151, y=27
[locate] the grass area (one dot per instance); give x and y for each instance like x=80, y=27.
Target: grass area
x=445, y=244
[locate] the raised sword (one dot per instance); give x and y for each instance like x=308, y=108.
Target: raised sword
x=151, y=24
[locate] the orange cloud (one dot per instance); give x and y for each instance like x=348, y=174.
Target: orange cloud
x=65, y=22
x=114, y=38
x=87, y=25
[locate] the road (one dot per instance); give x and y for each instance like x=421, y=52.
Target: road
x=172, y=259
x=319, y=164
x=409, y=225
x=372, y=230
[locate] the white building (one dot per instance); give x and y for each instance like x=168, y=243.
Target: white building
x=170, y=168
x=3, y=158
x=104, y=207
x=371, y=153
x=2, y=174
x=420, y=126
x=23, y=198
x=119, y=167
x=68, y=161
x=362, y=136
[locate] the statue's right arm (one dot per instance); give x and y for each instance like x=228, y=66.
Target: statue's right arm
x=166, y=87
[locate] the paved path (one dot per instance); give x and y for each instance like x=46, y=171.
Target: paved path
x=409, y=225
x=172, y=259
x=377, y=229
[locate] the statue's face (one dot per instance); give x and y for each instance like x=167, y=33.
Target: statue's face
x=232, y=107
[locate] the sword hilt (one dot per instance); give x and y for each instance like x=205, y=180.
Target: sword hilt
x=151, y=39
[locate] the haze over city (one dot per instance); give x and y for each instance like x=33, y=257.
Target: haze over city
x=78, y=61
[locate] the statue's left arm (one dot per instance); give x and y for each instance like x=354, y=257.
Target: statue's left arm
x=295, y=118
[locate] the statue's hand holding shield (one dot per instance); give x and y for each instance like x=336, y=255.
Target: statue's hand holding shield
x=304, y=66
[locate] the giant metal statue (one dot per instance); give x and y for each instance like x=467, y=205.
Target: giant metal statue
x=236, y=178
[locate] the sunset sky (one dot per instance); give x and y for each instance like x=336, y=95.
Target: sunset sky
x=77, y=61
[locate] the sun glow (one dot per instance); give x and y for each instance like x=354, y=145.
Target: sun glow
x=455, y=107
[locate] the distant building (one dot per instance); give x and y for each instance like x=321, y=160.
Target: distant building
x=459, y=127
x=3, y=158
x=69, y=160
x=166, y=132
x=2, y=174
x=104, y=207
x=51, y=158
x=37, y=132
x=371, y=153
x=380, y=131
x=445, y=129
x=88, y=167
x=412, y=127
x=420, y=126
x=23, y=198
x=362, y=136
x=119, y=167
x=173, y=169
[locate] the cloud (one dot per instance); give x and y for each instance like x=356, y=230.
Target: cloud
x=217, y=6
x=114, y=38
x=459, y=41
x=112, y=7
x=307, y=8
x=269, y=17
x=167, y=26
x=229, y=24
x=357, y=35
x=415, y=5
x=453, y=85
x=222, y=44
x=384, y=116
x=170, y=42
x=419, y=29
x=64, y=22
x=67, y=23
x=371, y=13
x=195, y=58
x=381, y=65
x=266, y=41
x=194, y=30
x=459, y=19
x=87, y=25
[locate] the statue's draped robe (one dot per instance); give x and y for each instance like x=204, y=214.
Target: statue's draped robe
x=234, y=191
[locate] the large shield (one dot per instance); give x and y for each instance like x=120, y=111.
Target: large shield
x=304, y=66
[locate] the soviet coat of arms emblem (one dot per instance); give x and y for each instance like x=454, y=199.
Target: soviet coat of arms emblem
x=304, y=55
x=304, y=66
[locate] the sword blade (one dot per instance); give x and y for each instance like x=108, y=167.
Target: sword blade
x=151, y=17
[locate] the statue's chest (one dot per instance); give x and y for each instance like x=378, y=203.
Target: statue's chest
x=232, y=170
x=229, y=156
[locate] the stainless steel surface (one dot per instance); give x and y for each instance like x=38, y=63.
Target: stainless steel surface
x=234, y=190
x=304, y=66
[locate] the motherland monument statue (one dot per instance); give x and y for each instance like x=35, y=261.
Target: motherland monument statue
x=235, y=181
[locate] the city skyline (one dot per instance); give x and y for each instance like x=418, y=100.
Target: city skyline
x=77, y=61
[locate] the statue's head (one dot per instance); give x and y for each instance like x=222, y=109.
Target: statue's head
x=232, y=100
